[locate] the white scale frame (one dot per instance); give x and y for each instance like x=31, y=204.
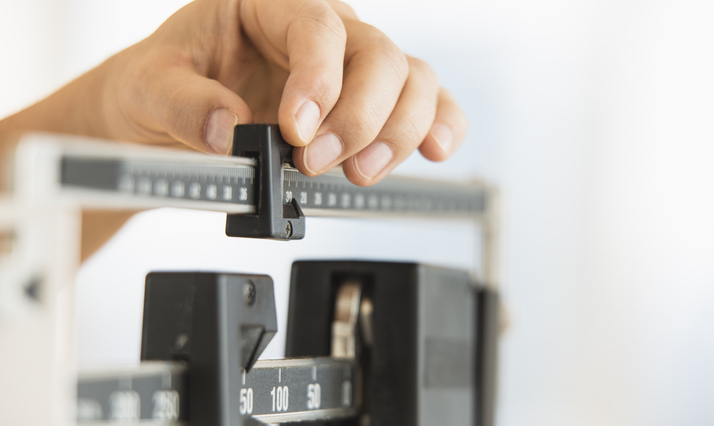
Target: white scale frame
x=43, y=220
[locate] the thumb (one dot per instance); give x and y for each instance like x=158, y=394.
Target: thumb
x=198, y=111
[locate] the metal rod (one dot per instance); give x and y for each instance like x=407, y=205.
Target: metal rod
x=101, y=175
x=286, y=390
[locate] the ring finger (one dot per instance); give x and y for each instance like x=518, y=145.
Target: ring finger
x=403, y=132
x=375, y=74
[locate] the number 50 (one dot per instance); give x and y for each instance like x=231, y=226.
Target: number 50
x=313, y=396
x=246, y=401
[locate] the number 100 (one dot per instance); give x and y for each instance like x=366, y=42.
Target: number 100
x=281, y=398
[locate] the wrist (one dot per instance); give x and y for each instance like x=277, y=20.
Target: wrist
x=113, y=83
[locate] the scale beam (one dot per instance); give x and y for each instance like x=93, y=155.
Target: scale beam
x=274, y=391
x=109, y=175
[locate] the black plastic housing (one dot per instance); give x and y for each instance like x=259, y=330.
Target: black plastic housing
x=273, y=219
x=417, y=351
x=219, y=324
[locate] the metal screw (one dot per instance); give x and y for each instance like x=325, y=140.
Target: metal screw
x=289, y=230
x=181, y=341
x=249, y=293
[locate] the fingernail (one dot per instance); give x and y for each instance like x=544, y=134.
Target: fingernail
x=373, y=159
x=443, y=136
x=219, y=130
x=307, y=117
x=322, y=151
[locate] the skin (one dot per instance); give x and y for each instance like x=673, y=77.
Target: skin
x=341, y=91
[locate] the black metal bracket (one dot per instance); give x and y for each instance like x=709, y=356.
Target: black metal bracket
x=427, y=339
x=427, y=328
x=273, y=218
x=219, y=324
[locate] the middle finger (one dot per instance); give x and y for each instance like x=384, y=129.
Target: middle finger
x=375, y=73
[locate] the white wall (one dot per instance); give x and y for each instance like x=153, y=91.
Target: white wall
x=595, y=117
x=26, y=64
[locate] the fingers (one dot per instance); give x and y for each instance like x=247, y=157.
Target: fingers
x=370, y=115
x=448, y=130
x=344, y=10
x=373, y=81
x=195, y=110
x=308, y=38
x=403, y=132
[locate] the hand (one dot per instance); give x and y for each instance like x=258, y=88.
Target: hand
x=340, y=90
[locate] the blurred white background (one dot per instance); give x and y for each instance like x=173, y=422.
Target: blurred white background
x=595, y=118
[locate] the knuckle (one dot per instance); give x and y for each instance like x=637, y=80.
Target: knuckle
x=377, y=44
x=405, y=135
x=412, y=132
x=446, y=98
x=397, y=59
x=323, y=18
x=176, y=114
x=175, y=105
x=327, y=83
x=343, y=8
x=445, y=95
x=360, y=127
x=394, y=58
x=422, y=68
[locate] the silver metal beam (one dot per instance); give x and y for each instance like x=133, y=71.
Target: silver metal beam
x=97, y=175
x=286, y=390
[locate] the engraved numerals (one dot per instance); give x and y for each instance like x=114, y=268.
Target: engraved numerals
x=281, y=398
x=246, y=401
x=313, y=396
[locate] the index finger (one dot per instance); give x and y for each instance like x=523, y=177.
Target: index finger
x=308, y=38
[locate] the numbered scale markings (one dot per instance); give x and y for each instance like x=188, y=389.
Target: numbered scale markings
x=229, y=184
x=211, y=184
x=299, y=389
x=155, y=391
x=332, y=194
x=273, y=391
